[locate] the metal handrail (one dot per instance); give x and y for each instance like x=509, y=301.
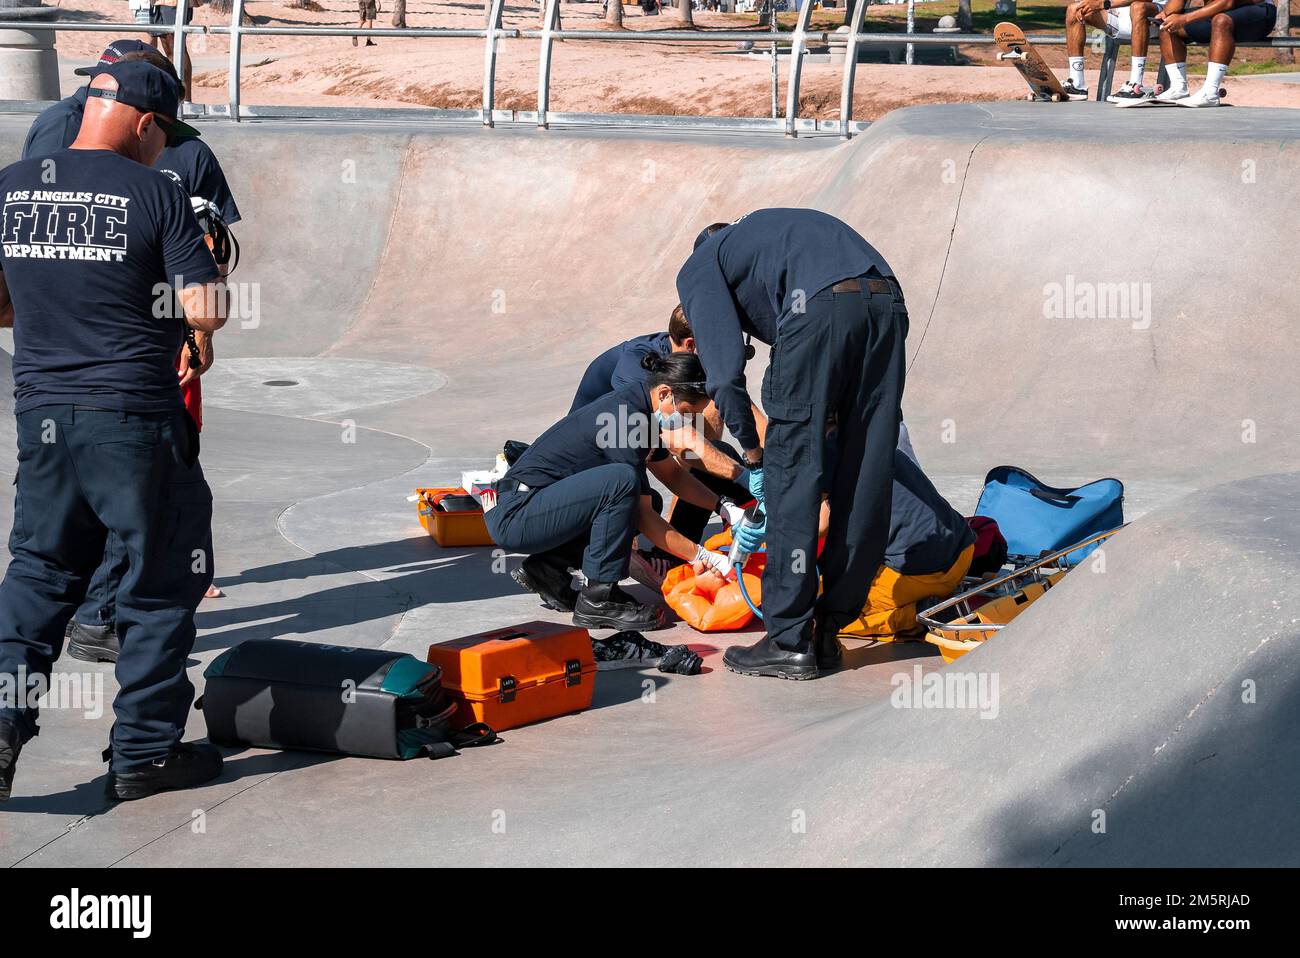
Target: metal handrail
x=493, y=31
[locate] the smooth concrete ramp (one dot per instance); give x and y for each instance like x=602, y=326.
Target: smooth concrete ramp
x=1092, y=292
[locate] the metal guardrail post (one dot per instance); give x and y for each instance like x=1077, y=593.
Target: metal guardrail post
x=236, y=39
x=851, y=66
x=178, y=43
x=490, y=60
x=1106, y=77
x=796, y=66
x=544, y=61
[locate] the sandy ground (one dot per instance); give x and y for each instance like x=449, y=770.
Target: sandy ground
x=698, y=79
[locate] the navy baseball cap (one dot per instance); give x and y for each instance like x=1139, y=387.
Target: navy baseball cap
x=142, y=85
x=112, y=53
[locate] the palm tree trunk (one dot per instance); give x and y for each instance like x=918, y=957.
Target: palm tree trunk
x=965, y=23
x=614, y=12
x=399, y=14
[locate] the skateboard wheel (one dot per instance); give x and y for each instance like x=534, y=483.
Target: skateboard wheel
x=1223, y=91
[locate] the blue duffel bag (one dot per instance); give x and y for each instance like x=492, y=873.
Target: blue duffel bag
x=1037, y=518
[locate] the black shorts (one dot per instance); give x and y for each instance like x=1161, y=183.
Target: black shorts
x=367, y=9
x=1252, y=22
x=166, y=16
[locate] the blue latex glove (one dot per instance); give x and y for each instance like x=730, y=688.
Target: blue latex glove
x=754, y=479
x=750, y=537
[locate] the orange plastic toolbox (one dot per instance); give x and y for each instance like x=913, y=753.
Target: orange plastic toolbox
x=521, y=674
x=451, y=528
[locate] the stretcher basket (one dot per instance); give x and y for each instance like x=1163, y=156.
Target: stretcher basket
x=986, y=606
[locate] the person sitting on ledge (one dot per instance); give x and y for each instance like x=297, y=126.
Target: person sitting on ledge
x=1221, y=24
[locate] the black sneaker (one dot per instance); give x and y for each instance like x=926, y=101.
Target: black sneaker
x=93, y=643
x=650, y=567
x=767, y=658
x=606, y=606
x=549, y=578
x=626, y=650
x=10, y=745
x=189, y=764
x=1073, y=92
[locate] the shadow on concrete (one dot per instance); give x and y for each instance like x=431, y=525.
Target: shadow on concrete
x=1209, y=800
x=424, y=575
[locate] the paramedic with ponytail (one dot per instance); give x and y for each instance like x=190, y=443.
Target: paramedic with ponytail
x=828, y=304
x=578, y=496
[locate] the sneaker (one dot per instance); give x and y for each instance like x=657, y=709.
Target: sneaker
x=1172, y=94
x=354, y=41
x=649, y=568
x=1129, y=94
x=550, y=579
x=93, y=643
x=1073, y=92
x=626, y=650
x=604, y=605
x=187, y=765
x=1199, y=99
x=10, y=746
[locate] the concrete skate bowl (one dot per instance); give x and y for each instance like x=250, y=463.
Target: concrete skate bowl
x=1092, y=292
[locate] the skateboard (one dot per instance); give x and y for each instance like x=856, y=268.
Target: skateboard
x=1043, y=84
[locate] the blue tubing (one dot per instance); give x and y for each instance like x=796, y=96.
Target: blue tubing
x=740, y=581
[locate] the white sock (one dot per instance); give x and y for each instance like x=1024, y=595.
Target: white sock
x=1076, y=71
x=1214, y=74
x=1177, y=75
x=1139, y=68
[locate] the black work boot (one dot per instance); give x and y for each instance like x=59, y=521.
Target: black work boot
x=767, y=658
x=606, y=606
x=549, y=577
x=11, y=744
x=187, y=765
x=830, y=654
x=93, y=643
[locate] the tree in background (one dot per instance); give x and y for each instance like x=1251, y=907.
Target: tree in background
x=614, y=12
x=399, y=14
x=685, y=12
x=965, y=22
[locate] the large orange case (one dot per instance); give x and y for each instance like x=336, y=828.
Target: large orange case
x=521, y=674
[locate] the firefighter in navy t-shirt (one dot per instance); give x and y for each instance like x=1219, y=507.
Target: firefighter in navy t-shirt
x=92, y=633
x=93, y=243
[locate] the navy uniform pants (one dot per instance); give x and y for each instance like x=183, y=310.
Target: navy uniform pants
x=843, y=356
x=83, y=474
x=587, y=519
x=100, y=607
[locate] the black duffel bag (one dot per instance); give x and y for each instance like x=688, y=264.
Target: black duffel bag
x=283, y=694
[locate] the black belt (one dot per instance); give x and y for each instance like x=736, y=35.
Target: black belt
x=873, y=285
x=510, y=485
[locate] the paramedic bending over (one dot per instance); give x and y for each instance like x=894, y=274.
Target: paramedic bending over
x=579, y=495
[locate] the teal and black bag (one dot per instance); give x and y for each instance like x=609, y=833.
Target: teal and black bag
x=275, y=693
